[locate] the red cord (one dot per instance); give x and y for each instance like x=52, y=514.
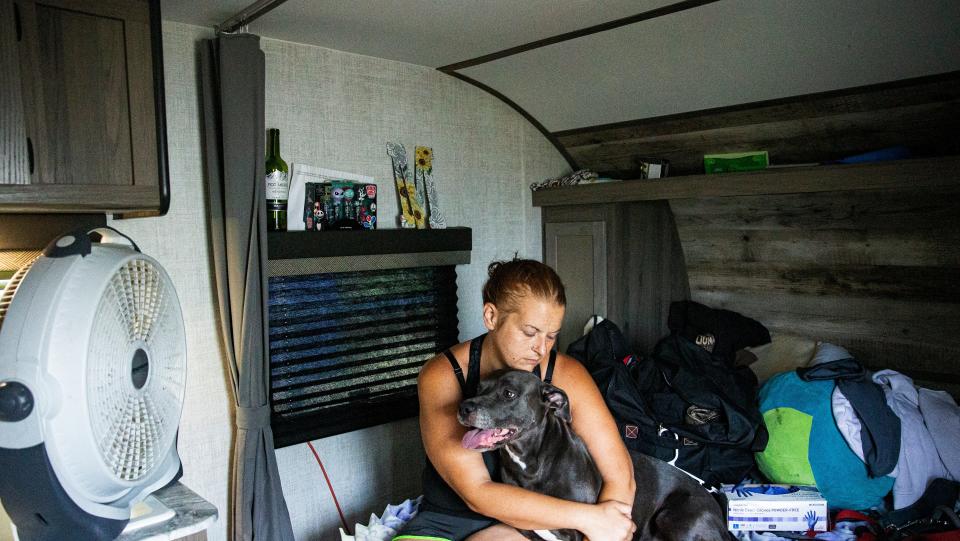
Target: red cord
x=330, y=486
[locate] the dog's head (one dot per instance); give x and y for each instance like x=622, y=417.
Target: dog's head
x=507, y=405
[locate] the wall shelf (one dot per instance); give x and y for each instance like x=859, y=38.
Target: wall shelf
x=914, y=173
x=294, y=253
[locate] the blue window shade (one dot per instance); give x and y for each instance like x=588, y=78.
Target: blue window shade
x=346, y=347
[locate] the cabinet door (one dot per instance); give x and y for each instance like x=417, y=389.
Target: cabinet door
x=577, y=251
x=14, y=152
x=89, y=105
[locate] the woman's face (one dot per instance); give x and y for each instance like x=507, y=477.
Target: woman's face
x=524, y=337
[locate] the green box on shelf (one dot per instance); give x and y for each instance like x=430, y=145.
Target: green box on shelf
x=738, y=161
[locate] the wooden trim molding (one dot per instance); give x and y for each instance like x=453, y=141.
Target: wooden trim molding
x=602, y=27
x=536, y=123
x=77, y=198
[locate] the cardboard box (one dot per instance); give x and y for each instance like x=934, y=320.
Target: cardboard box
x=738, y=161
x=775, y=508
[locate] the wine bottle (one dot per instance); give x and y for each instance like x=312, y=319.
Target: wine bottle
x=278, y=183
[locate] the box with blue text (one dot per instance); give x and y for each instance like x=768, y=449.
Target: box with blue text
x=776, y=508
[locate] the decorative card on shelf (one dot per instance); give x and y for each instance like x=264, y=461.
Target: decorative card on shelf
x=367, y=205
x=315, y=209
x=653, y=168
x=344, y=206
x=300, y=176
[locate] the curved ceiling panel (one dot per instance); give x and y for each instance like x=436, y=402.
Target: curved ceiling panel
x=435, y=32
x=726, y=53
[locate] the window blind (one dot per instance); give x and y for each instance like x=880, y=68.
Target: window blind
x=346, y=347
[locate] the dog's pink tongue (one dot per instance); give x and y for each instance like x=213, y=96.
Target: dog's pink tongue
x=479, y=438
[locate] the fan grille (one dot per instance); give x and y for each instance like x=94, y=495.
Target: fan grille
x=135, y=422
x=11, y=288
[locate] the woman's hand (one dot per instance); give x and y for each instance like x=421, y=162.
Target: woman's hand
x=609, y=521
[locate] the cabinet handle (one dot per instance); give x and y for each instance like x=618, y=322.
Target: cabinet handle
x=30, y=154
x=16, y=21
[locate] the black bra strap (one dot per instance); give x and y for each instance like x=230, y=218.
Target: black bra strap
x=550, y=365
x=456, y=369
x=473, y=369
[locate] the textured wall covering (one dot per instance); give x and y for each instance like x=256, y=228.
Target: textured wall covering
x=337, y=110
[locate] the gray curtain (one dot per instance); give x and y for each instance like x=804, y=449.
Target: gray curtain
x=232, y=73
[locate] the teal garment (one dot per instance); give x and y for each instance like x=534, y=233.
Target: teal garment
x=839, y=474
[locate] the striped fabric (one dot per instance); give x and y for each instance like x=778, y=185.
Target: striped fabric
x=346, y=348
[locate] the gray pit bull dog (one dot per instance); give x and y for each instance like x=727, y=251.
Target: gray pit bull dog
x=528, y=421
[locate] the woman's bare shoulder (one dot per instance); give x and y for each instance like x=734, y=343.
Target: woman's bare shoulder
x=568, y=369
x=438, y=370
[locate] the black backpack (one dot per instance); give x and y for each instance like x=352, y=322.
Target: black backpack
x=682, y=405
x=603, y=345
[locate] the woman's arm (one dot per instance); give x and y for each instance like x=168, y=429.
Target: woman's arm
x=465, y=472
x=593, y=422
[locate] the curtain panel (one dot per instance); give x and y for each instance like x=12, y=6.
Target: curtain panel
x=232, y=73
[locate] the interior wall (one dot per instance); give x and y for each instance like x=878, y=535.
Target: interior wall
x=336, y=110
x=872, y=271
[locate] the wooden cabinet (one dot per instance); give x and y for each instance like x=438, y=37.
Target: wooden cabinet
x=577, y=250
x=619, y=260
x=14, y=166
x=83, y=112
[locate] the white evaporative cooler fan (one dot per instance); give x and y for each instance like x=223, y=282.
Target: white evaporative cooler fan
x=92, y=374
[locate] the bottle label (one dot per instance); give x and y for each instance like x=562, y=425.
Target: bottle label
x=278, y=185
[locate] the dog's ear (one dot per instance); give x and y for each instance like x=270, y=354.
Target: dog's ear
x=556, y=399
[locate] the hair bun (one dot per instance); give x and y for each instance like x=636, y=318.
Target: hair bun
x=509, y=281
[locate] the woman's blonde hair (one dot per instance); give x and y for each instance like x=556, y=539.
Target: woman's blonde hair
x=509, y=281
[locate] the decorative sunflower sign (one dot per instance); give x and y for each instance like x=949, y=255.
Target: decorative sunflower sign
x=417, y=197
x=423, y=175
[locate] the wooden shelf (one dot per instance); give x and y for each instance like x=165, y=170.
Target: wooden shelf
x=311, y=252
x=914, y=173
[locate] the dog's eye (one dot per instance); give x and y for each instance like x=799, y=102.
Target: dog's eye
x=509, y=394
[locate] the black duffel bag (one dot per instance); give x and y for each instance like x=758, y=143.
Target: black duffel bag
x=681, y=405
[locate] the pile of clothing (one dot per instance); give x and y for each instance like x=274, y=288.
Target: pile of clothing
x=720, y=396
x=857, y=434
x=385, y=527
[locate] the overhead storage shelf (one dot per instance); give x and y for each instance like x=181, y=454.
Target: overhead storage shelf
x=294, y=253
x=914, y=173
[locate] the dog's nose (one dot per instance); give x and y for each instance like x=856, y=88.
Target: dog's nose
x=466, y=409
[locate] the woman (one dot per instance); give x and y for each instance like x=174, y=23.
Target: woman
x=523, y=304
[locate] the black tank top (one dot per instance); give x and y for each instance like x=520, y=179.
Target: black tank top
x=437, y=495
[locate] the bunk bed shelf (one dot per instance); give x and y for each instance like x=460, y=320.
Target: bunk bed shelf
x=912, y=173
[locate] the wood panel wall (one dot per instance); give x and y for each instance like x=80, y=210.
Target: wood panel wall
x=922, y=114
x=877, y=272
x=651, y=275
